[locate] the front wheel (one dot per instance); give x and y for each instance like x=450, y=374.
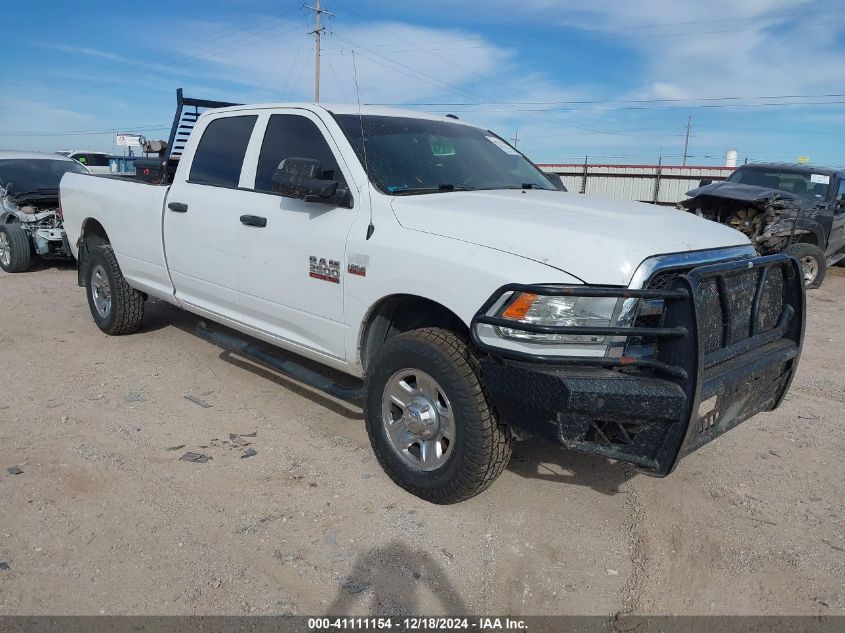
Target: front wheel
x=812, y=261
x=117, y=308
x=429, y=420
x=15, y=249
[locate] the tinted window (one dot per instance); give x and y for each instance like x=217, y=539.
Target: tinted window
x=220, y=154
x=408, y=156
x=293, y=136
x=803, y=183
x=97, y=160
x=30, y=176
x=840, y=195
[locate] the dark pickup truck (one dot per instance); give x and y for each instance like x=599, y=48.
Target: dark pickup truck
x=795, y=209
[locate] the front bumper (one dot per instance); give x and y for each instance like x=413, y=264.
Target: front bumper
x=744, y=324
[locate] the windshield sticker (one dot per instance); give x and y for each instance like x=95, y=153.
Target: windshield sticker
x=441, y=146
x=507, y=149
x=820, y=179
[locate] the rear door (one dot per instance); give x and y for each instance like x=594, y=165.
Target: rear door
x=836, y=241
x=291, y=276
x=201, y=216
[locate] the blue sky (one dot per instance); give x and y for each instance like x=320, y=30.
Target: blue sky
x=610, y=79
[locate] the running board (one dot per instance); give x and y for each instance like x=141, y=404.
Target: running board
x=287, y=367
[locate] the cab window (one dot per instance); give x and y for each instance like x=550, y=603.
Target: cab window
x=220, y=153
x=293, y=136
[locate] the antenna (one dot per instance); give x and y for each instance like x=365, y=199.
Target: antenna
x=370, y=228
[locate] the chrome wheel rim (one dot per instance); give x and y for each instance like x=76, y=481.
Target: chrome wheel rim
x=5, y=249
x=100, y=291
x=418, y=419
x=810, y=268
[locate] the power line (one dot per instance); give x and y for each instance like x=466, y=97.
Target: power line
x=600, y=101
x=113, y=130
x=457, y=89
x=197, y=48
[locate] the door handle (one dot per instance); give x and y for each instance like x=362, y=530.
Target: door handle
x=253, y=220
x=178, y=207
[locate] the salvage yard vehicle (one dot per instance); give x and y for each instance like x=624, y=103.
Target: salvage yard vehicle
x=794, y=209
x=429, y=258
x=30, y=218
x=96, y=162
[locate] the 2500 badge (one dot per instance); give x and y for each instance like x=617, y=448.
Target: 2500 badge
x=327, y=270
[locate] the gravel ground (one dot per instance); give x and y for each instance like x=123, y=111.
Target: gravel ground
x=105, y=517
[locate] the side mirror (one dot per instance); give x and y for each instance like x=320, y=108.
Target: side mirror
x=705, y=181
x=302, y=178
x=556, y=180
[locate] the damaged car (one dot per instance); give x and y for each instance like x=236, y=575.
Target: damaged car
x=30, y=214
x=795, y=209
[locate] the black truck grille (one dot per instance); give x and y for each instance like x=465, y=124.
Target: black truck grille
x=738, y=305
x=726, y=305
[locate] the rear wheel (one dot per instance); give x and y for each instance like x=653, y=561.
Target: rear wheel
x=812, y=261
x=117, y=308
x=430, y=422
x=15, y=249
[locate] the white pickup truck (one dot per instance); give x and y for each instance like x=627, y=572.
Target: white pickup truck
x=478, y=303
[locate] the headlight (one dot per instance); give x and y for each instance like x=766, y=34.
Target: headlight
x=525, y=307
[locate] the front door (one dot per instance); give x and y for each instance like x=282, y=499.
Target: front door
x=836, y=241
x=201, y=218
x=291, y=277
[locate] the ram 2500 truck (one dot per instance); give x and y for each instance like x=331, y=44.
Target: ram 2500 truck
x=478, y=303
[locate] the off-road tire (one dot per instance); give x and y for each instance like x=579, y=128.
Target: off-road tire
x=482, y=446
x=800, y=251
x=20, y=250
x=127, y=304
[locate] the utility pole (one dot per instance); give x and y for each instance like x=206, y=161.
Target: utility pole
x=515, y=138
x=317, y=33
x=686, y=137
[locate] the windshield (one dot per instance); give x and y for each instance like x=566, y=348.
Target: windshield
x=35, y=175
x=407, y=156
x=38, y=175
x=806, y=185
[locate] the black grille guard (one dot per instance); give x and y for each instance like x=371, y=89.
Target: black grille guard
x=684, y=287
x=728, y=343
x=481, y=317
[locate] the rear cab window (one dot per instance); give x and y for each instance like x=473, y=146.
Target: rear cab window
x=219, y=156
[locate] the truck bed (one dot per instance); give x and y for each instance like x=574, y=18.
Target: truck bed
x=132, y=210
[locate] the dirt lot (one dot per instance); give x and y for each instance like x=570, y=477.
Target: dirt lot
x=106, y=519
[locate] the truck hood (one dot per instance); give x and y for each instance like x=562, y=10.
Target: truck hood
x=743, y=193
x=597, y=240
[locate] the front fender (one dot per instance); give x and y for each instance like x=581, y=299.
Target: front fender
x=785, y=226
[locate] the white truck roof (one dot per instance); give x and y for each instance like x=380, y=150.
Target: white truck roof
x=15, y=155
x=343, y=108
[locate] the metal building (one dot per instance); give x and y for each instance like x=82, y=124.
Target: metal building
x=658, y=184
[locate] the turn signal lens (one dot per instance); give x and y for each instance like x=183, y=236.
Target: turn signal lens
x=520, y=306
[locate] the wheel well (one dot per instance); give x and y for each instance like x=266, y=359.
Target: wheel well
x=805, y=236
x=94, y=233
x=401, y=313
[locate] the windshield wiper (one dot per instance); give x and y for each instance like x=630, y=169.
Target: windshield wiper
x=31, y=192
x=442, y=187
x=406, y=191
